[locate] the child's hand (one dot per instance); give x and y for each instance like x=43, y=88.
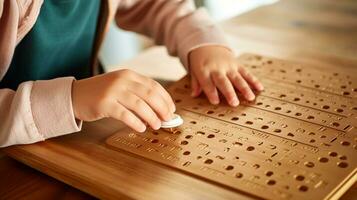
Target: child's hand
x=215, y=67
x=124, y=95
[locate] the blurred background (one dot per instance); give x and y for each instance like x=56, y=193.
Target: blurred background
x=120, y=46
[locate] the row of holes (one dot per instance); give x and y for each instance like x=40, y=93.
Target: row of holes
x=298, y=114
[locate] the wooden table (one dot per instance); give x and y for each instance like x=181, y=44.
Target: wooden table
x=315, y=32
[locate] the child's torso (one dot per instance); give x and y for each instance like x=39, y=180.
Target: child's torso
x=59, y=44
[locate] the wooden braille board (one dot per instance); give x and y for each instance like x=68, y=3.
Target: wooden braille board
x=297, y=140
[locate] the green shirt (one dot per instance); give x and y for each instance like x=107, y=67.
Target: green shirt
x=60, y=43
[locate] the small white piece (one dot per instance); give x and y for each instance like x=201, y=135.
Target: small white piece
x=174, y=122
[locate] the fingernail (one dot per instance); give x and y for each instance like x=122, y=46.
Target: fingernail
x=215, y=101
x=235, y=102
x=142, y=128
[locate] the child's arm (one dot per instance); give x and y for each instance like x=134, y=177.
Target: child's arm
x=37, y=110
x=200, y=45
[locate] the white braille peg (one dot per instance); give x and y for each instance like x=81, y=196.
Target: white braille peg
x=174, y=122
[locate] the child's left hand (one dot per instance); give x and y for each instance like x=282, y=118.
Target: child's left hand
x=215, y=67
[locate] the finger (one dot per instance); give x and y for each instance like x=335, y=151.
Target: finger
x=141, y=109
x=154, y=99
x=119, y=112
x=241, y=85
x=163, y=92
x=226, y=87
x=251, y=79
x=208, y=87
x=195, y=86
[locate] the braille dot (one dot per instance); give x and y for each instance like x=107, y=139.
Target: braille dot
x=342, y=164
x=303, y=188
x=208, y=161
x=186, y=153
x=271, y=182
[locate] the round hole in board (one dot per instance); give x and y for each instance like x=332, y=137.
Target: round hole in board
x=335, y=74
x=346, y=93
x=155, y=133
x=354, y=108
x=312, y=141
x=234, y=118
x=267, y=106
x=250, y=148
x=184, y=142
x=277, y=108
x=277, y=130
x=339, y=110
x=298, y=81
x=259, y=103
x=229, y=167
x=288, y=111
x=342, y=164
x=249, y=122
x=354, y=89
x=210, y=136
x=296, y=99
x=312, y=133
x=332, y=154
x=269, y=173
x=343, y=157
x=154, y=141
x=309, y=164
x=193, y=122
x=208, y=161
x=325, y=107
x=270, y=62
x=271, y=182
x=298, y=70
x=299, y=177
x=186, y=153
x=323, y=159
x=200, y=133
x=310, y=117
x=335, y=124
x=298, y=114
x=221, y=115
x=291, y=135
x=199, y=157
x=345, y=143
x=177, y=100
x=303, y=188
x=210, y=112
x=282, y=96
x=343, y=86
x=317, y=86
x=188, y=136
x=323, y=136
x=264, y=127
x=238, y=175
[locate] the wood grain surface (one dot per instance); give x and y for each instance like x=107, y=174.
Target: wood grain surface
x=317, y=32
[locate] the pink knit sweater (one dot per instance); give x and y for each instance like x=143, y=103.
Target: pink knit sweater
x=43, y=109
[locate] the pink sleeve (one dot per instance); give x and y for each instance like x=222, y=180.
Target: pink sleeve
x=37, y=111
x=174, y=23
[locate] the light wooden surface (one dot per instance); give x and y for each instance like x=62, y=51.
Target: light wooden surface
x=317, y=32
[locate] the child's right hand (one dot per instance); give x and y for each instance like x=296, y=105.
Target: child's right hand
x=124, y=95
